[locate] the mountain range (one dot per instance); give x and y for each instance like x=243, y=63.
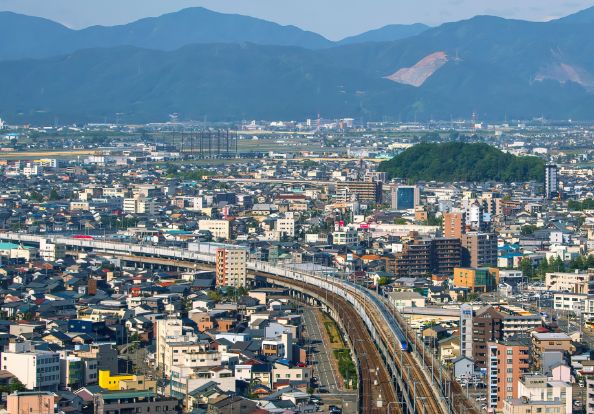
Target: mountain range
x=207, y=65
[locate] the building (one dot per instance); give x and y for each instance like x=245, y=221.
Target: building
x=406, y=299
x=549, y=341
x=37, y=370
x=466, y=331
x=446, y=252
x=134, y=402
x=119, y=382
x=538, y=387
x=570, y=282
x=422, y=256
x=454, y=225
x=140, y=205
x=364, y=191
x=220, y=229
x=286, y=227
x=345, y=237
x=479, y=249
x=551, y=181
x=477, y=280
x=105, y=355
x=524, y=406
x=507, y=362
x=28, y=402
x=231, y=267
x=570, y=302
x=487, y=326
x=405, y=197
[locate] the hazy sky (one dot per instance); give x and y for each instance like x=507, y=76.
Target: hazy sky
x=332, y=18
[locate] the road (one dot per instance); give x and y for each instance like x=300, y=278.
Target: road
x=319, y=352
x=320, y=357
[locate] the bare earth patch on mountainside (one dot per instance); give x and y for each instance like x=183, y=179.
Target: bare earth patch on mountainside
x=421, y=71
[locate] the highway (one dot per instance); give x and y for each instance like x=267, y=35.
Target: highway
x=390, y=378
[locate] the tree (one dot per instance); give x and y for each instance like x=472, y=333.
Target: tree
x=53, y=195
x=527, y=268
x=214, y=295
x=16, y=385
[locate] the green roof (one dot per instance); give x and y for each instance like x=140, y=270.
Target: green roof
x=127, y=394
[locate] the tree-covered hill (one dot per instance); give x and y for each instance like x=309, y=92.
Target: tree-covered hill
x=456, y=161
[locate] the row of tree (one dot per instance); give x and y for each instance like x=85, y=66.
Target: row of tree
x=555, y=265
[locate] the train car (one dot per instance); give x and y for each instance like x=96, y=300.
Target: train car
x=83, y=237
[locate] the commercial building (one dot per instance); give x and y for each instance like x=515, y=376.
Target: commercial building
x=475, y=279
x=507, y=362
x=231, y=267
x=405, y=197
x=479, y=249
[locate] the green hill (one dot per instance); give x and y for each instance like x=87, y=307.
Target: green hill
x=456, y=161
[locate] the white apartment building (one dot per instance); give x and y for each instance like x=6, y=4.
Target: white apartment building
x=37, y=370
x=231, y=267
x=220, y=229
x=140, y=205
x=570, y=282
x=286, y=226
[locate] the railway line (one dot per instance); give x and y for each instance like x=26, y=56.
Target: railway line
x=397, y=374
x=376, y=390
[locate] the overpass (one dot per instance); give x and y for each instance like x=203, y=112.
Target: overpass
x=417, y=381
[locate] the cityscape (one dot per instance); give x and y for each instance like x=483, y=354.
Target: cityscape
x=230, y=240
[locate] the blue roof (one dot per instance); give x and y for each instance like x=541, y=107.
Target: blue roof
x=8, y=246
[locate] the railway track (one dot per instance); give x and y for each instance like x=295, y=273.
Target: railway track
x=375, y=390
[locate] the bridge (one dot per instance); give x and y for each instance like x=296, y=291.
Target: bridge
x=392, y=380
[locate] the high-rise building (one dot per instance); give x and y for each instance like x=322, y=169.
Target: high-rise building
x=231, y=267
x=487, y=326
x=405, y=197
x=454, y=225
x=364, y=191
x=423, y=256
x=479, y=249
x=466, y=333
x=551, y=181
x=506, y=363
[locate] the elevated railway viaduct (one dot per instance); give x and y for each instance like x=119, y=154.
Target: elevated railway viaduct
x=396, y=374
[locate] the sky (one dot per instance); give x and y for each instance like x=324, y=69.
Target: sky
x=334, y=19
